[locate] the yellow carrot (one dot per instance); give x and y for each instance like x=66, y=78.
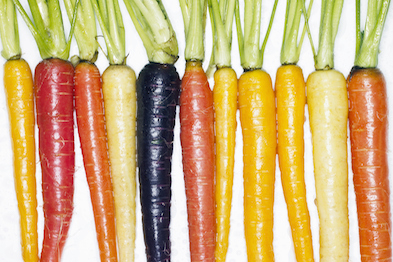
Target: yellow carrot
x=225, y=106
x=18, y=84
x=258, y=121
x=291, y=99
x=328, y=108
x=118, y=85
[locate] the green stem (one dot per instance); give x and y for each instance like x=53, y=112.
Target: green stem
x=85, y=27
x=195, y=32
x=112, y=29
x=157, y=34
x=9, y=32
x=240, y=38
x=268, y=29
x=367, y=55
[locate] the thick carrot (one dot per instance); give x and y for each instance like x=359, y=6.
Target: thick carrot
x=225, y=107
x=197, y=140
x=118, y=85
x=18, y=84
x=368, y=123
x=158, y=87
x=291, y=100
x=258, y=121
x=54, y=84
x=328, y=109
x=92, y=134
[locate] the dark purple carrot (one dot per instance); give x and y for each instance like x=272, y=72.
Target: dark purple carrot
x=158, y=88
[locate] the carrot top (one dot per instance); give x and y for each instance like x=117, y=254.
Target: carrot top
x=194, y=18
x=221, y=14
x=156, y=33
x=291, y=47
x=112, y=27
x=367, y=41
x=251, y=54
x=47, y=27
x=330, y=18
x=85, y=28
x=9, y=32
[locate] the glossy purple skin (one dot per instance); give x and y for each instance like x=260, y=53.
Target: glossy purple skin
x=158, y=88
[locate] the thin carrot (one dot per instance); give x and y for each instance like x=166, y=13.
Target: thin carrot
x=225, y=107
x=197, y=140
x=258, y=121
x=118, y=86
x=92, y=129
x=18, y=85
x=54, y=87
x=368, y=124
x=291, y=100
x=328, y=109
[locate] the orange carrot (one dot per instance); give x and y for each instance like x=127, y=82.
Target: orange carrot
x=197, y=140
x=91, y=128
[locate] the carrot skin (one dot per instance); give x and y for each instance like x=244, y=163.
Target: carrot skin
x=158, y=88
x=327, y=101
x=368, y=123
x=291, y=100
x=225, y=107
x=54, y=84
x=197, y=140
x=118, y=85
x=258, y=121
x=92, y=134
x=18, y=84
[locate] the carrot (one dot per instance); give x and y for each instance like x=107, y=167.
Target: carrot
x=291, y=100
x=197, y=140
x=118, y=86
x=258, y=122
x=328, y=109
x=18, y=86
x=368, y=124
x=92, y=130
x=54, y=87
x=197, y=136
x=225, y=107
x=158, y=88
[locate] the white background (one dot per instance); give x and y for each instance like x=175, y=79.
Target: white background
x=82, y=245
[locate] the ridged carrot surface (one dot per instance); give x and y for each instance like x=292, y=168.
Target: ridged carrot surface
x=18, y=84
x=291, y=100
x=225, y=107
x=258, y=120
x=368, y=123
x=197, y=139
x=54, y=93
x=92, y=134
x=118, y=84
x=328, y=109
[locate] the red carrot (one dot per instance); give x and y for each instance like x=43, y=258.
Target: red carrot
x=197, y=139
x=54, y=83
x=91, y=128
x=54, y=93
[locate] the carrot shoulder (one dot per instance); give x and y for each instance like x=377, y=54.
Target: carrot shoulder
x=197, y=139
x=18, y=84
x=54, y=84
x=368, y=123
x=92, y=134
x=258, y=121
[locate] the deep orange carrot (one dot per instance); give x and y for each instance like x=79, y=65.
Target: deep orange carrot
x=197, y=139
x=368, y=123
x=91, y=128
